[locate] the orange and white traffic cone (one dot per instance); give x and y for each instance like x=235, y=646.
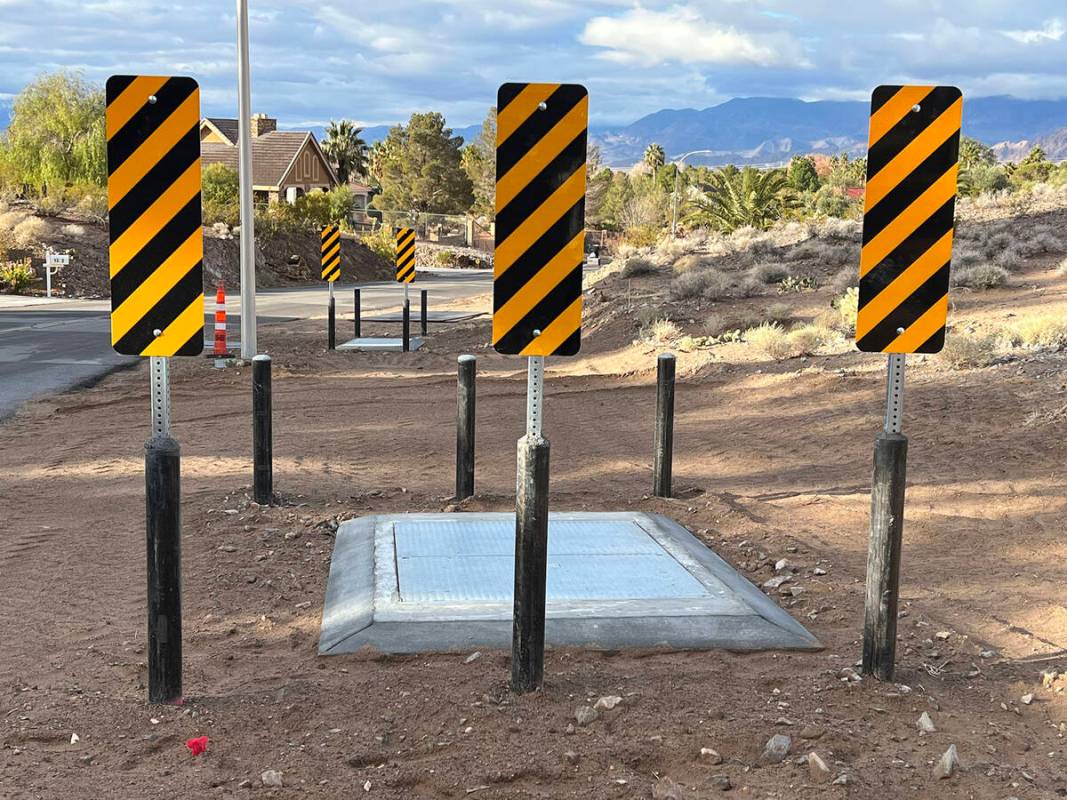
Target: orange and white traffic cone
x=220, y=322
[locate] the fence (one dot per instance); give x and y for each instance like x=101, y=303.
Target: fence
x=456, y=230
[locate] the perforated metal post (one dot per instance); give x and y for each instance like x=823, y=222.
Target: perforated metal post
x=894, y=394
x=332, y=320
x=535, y=390
x=160, y=391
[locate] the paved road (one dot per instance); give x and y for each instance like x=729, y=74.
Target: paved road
x=50, y=346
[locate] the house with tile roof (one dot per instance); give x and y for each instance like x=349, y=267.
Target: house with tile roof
x=285, y=164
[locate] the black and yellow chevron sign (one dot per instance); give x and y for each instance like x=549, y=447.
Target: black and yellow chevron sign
x=331, y=253
x=153, y=198
x=912, y=161
x=540, y=218
x=405, y=254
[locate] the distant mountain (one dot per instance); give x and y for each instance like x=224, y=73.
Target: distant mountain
x=376, y=133
x=764, y=130
x=1054, y=144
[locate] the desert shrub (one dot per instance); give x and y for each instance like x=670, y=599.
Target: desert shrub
x=769, y=338
x=967, y=351
x=778, y=312
x=87, y=199
x=687, y=263
x=805, y=340
x=794, y=283
x=749, y=286
x=844, y=279
x=660, y=330
x=769, y=273
x=668, y=249
x=10, y=219
x=29, y=232
x=1008, y=259
x=1062, y=268
x=16, y=276
x=381, y=242
x=1040, y=330
x=842, y=314
x=73, y=230
x=983, y=276
x=709, y=284
x=636, y=266
x=641, y=235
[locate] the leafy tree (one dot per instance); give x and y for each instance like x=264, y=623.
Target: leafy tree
x=420, y=168
x=56, y=135
x=983, y=179
x=618, y=193
x=655, y=156
x=802, y=174
x=739, y=198
x=479, y=162
x=597, y=182
x=346, y=149
x=845, y=172
x=1035, y=167
x=973, y=153
x=219, y=194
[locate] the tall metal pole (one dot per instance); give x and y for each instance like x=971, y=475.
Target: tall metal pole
x=664, y=454
x=244, y=160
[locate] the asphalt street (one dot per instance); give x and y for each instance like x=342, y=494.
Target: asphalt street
x=52, y=346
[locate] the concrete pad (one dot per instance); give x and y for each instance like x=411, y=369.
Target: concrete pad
x=431, y=316
x=443, y=582
x=380, y=344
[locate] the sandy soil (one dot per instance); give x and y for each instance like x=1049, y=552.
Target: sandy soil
x=772, y=461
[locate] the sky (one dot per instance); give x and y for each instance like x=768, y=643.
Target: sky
x=376, y=63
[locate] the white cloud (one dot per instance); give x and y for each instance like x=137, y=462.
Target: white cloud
x=1052, y=31
x=682, y=34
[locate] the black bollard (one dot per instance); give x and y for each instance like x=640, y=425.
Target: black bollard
x=262, y=437
x=531, y=565
x=163, y=528
x=422, y=311
x=883, y=555
x=664, y=455
x=465, y=427
x=332, y=340
x=407, y=325
x=358, y=332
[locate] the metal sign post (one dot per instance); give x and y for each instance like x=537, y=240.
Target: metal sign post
x=244, y=168
x=157, y=311
x=909, y=201
x=52, y=263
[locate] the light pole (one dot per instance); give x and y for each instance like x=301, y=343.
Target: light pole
x=678, y=164
x=244, y=164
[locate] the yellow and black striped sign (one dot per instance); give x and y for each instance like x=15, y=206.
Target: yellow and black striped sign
x=912, y=162
x=540, y=218
x=405, y=254
x=331, y=253
x=153, y=198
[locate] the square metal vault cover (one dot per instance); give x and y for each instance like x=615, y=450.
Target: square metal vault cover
x=443, y=582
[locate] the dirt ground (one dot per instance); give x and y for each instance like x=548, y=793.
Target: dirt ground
x=773, y=460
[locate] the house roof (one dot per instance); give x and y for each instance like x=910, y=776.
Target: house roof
x=226, y=128
x=273, y=155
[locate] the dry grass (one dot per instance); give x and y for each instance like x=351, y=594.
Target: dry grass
x=73, y=230
x=708, y=284
x=770, y=273
x=660, y=332
x=1040, y=331
x=969, y=351
x=982, y=276
x=772, y=339
x=1062, y=268
x=29, y=232
x=636, y=266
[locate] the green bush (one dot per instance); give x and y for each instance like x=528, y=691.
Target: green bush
x=220, y=195
x=381, y=242
x=17, y=276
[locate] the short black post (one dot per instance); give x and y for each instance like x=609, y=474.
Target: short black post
x=163, y=527
x=422, y=311
x=531, y=565
x=358, y=331
x=333, y=307
x=407, y=325
x=664, y=455
x=262, y=437
x=465, y=427
x=883, y=556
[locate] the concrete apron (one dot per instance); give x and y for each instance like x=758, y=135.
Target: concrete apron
x=417, y=583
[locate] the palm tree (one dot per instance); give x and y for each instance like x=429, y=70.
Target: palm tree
x=655, y=156
x=346, y=149
x=738, y=198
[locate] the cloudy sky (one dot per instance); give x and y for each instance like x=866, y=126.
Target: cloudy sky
x=313, y=60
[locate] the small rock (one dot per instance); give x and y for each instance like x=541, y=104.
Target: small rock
x=366, y=786
x=777, y=581
x=949, y=763
x=571, y=757
x=925, y=724
x=782, y=564
x=776, y=749
x=271, y=777
x=722, y=783
x=86, y=761
x=812, y=732
x=245, y=784
x=817, y=769
x=710, y=756
x=943, y=635
x=227, y=548
x=74, y=738
x=818, y=571
x=607, y=703
x=1028, y=698
x=844, y=779
x=987, y=653
x=1048, y=677
x=796, y=591
x=473, y=657
x=586, y=714
x=666, y=789
x=850, y=675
